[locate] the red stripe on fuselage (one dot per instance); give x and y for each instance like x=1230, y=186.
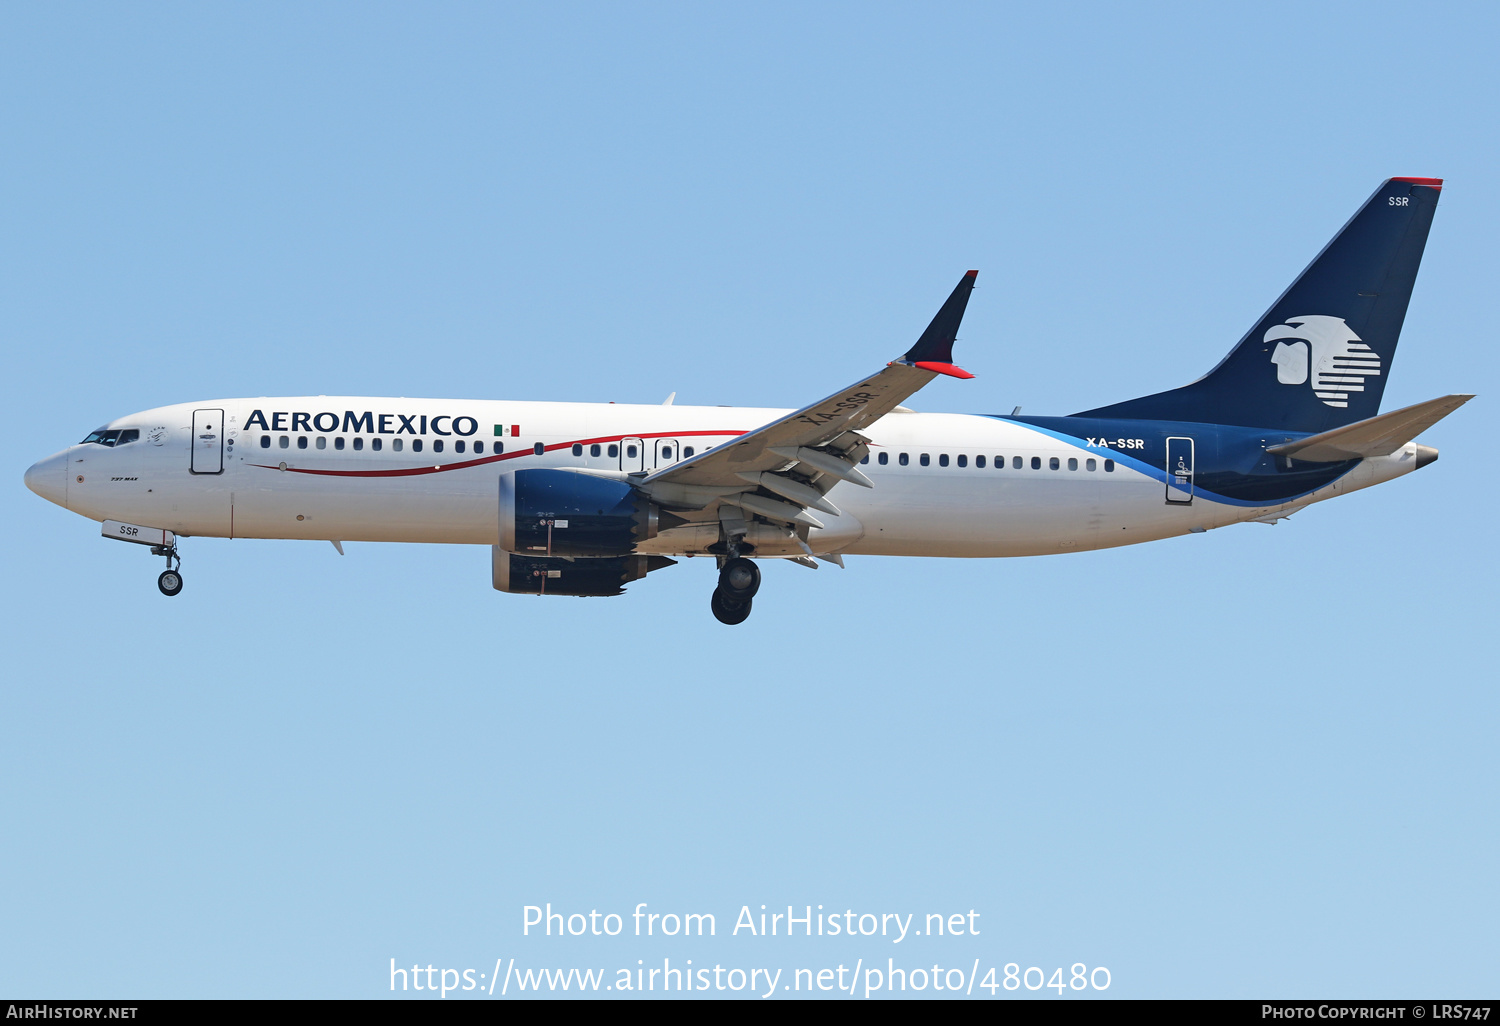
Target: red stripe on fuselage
x=466, y=464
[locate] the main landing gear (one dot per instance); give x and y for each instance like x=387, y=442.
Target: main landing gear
x=170, y=581
x=739, y=580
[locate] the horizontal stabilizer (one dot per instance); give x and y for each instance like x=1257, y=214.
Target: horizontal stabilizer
x=1377, y=436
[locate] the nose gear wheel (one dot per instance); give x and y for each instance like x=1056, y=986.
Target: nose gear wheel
x=170, y=581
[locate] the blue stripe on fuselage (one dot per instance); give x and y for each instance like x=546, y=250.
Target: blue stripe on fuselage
x=1231, y=463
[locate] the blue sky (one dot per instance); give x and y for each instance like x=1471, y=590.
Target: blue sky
x=1256, y=762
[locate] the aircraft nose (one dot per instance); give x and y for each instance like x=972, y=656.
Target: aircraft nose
x=49, y=478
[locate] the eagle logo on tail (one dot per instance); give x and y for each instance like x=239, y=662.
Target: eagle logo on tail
x=1326, y=351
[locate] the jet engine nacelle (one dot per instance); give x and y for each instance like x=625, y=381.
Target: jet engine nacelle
x=561, y=513
x=597, y=576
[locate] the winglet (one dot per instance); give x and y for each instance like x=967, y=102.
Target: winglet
x=942, y=368
x=935, y=347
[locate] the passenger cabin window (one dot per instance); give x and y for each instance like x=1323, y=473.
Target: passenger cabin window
x=376, y=443
x=943, y=460
x=687, y=453
x=925, y=460
x=963, y=461
x=265, y=442
x=1036, y=463
x=302, y=441
x=338, y=443
x=479, y=447
x=578, y=451
x=284, y=442
x=903, y=459
x=978, y=462
x=416, y=445
x=359, y=443
x=629, y=451
x=1109, y=466
x=1091, y=464
x=537, y=448
x=1072, y=463
x=1054, y=463
x=396, y=444
x=458, y=446
x=322, y=443
x=437, y=445
x=614, y=450
x=1015, y=463
x=884, y=458
x=594, y=450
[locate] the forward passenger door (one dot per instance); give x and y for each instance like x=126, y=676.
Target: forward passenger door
x=208, y=442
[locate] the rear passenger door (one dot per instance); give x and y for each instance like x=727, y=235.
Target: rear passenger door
x=1179, y=471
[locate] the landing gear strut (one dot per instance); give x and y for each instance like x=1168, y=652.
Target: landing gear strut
x=739, y=580
x=170, y=581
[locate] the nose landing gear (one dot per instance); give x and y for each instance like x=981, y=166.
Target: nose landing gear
x=170, y=581
x=739, y=580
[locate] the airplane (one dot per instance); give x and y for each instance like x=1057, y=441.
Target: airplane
x=581, y=499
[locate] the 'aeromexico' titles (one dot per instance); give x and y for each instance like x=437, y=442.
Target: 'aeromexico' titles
x=368, y=422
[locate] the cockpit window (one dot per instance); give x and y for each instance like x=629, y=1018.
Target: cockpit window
x=113, y=438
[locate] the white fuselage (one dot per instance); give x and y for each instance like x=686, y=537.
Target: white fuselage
x=309, y=467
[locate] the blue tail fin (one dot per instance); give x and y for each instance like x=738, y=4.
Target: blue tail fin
x=1319, y=357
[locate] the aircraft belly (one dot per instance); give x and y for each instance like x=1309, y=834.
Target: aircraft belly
x=690, y=539
x=974, y=516
x=1026, y=516
x=417, y=509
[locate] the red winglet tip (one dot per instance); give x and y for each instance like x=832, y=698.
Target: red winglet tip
x=1433, y=183
x=943, y=368
x=971, y=274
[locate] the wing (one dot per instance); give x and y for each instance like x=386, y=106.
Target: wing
x=781, y=470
